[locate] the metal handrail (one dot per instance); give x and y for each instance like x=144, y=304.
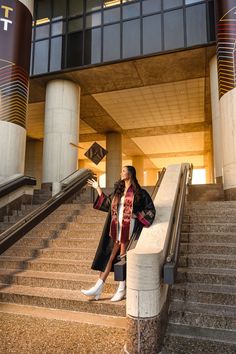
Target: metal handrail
x=19, y=229
x=170, y=266
x=157, y=186
x=13, y=184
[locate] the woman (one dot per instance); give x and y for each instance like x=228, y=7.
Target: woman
x=129, y=206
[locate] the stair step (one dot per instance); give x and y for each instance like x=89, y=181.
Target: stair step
x=28, y=207
x=60, y=299
x=197, y=340
x=205, y=293
x=199, y=237
x=86, y=226
x=208, y=260
x=63, y=233
x=217, y=227
x=81, y=219
x=59, y=242
x=46, y=265
x=209, y=219
x=36, y=331
x=208, y=248
x=58, y=253
x=41, y=234
x=211, y=204
x=85, y=207
x=60, y=280
x=220, y=212
x=64, y=315
x=202, y=315
x=49, y=226
x=206, y=275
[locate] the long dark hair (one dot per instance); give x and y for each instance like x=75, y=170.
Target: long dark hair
x=120, y=184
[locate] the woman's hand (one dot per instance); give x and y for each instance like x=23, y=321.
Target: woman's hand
x=92, y=183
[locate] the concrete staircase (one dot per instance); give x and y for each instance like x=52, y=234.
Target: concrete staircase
x=202, y=313
x=41, y=307
x=19, y=210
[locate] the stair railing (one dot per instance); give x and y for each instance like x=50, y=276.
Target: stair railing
x=19, y=229
x=120, y=266
x=14, y=183
x=170, y=265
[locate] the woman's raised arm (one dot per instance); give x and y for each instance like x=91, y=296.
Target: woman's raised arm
x=94, y=184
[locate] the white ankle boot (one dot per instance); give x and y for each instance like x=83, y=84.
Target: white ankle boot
x=96, y=290
x=120, y=292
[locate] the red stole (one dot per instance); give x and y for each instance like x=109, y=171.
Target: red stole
x=127, y=215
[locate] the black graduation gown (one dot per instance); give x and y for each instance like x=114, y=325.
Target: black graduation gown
x=143, y=210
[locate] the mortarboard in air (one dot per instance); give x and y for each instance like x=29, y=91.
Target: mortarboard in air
x=96, y=153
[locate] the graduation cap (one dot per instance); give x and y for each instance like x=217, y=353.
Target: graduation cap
x=96, y=153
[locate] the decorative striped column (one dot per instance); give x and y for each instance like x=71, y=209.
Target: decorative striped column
x=15, y=43
x=226, y=55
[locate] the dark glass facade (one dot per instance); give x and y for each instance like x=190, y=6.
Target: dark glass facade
x=75, y=33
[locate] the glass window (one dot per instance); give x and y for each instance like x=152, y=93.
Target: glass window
x=32, y=37
x=152, y=34
x=58, y=28
x=131, y=11
x=31, y=60
x=42, y=31
x=59, y=9
x=74, y=49
x=112, y=15
x=75, y=8
x=196, y=25
x=43, y=9
x=93, y=19
x=111, y=42
x=173, y=29
x=75, y=25
x=131, y=38
x=170, y=4
x=56, y=54
x=41, y=57
x=211, y=21
x=110, y=3
x=151, y=6
x=92, y=48
x=128, y=1
x=187, y=2
x=93, y=5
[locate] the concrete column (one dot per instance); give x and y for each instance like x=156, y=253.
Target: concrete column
x=228, y=114
x=16, y=18
x=208, y=167
x=61, y=128
x=151, y=177
x=113, y=158
x=34, y=160
x=216, y=122
x=138, y=163
x=225, y=20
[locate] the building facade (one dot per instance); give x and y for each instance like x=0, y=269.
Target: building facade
x=140, y=77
